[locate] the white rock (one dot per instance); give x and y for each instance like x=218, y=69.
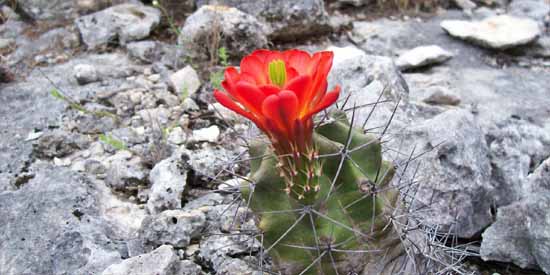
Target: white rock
x=209, y=134
x=154, y=78
x=162, y=260
x=439, y=95
x=177, y=136
x=168, y=179
x=185, y=81
x=230, y=22
x=189, y=104
x=33, y=135
x=61, y=161
x=6, y=43
x=497, y=32
x=155, y=116
x=85, y=74
x=466, y=5
x=422, y=56
x=174, y=227
x=127, y=22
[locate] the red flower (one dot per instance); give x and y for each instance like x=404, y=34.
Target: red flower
x=280, y=92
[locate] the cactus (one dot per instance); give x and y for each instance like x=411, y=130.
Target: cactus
x=322, y=195
x=335, y=225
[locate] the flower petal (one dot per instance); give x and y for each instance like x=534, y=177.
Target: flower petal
x=262, y=54
x=250, y=96
x=253, y=66
x=327, y=100
x=224, y=100
x=291, y=73
x=289, y=110
x=298, y=59
x=325, y=62
x=270, y=89
x=231, y=74
x=299, y=85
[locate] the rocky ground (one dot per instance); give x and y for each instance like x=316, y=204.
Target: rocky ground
x=115, y=159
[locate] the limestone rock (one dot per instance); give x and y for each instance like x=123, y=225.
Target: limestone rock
x=162, y=260
x=168, y=180
x=241, y=33
x=122, y=23
x=422, y=56
x=498, y=32
x=185, y=81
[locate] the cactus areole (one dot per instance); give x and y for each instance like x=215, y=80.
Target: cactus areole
x=318, y=193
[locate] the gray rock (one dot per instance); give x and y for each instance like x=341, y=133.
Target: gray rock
x=95, y=167
x=125, y=23
x=53, y=225
x=354, y=3
x=8, y=13
x=515, y=147
x=392, y=37
x=440, y=95
x=380, y=37
x=236, y=266
x=210, y=199
x=188, y=267
x=240, y=32
x=85, y=73
x=178, y=9
x=49, y=47
x=168, y=179
x=484, y=12
x=219, y=249
x=363, y=78
x=455, y=173
x=44, y=9
x=189, y=105
x=174, y=227
x=422, y=56
x=90, y=124
x=465, y=5
x=209, y=160
x=520, y=233
x=287, y=19
x=27, y=106
x=145, y=51
x=128, y=136
x=541, y=47
x=156, y=116
x=6, y=44
x=126, y=174
x=229, y=218
x=209, y=134
x=534, y=9
x=59, y=144
x=185, y=81
x=498, y=32
x=162, y=260
x=177, y=136
x=496, y=98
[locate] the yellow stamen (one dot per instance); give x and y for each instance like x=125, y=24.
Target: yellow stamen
x=277, y=72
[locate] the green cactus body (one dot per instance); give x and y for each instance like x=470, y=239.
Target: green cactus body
x=342, y=213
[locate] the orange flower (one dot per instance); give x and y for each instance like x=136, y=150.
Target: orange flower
x=280, y=92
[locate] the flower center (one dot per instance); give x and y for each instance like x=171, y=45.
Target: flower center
x=277, y=72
